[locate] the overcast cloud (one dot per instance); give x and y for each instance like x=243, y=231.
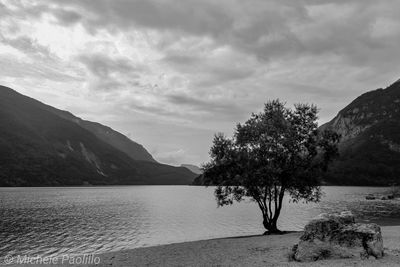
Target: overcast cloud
x=169, y=74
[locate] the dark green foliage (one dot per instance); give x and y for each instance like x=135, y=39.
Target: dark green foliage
x=40, y=148
x=275, y=152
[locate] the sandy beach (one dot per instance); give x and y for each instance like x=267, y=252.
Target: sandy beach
x=240, y=251
x=243, y=251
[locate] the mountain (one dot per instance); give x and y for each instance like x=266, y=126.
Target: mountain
x=370, y=142
x=108, y=135
x=44, y=146
x=192, y=168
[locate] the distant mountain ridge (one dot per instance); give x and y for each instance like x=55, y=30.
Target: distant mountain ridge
x=370, y=142
x=108, y=135
x=192, y=168
x=44, y=146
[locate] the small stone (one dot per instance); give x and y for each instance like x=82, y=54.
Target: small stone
x=370, y=197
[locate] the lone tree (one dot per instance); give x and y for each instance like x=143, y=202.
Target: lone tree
x=277, y=151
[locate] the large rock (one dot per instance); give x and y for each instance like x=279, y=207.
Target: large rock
x=338, y=236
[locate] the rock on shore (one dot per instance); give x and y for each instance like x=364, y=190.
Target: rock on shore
x=338, y=236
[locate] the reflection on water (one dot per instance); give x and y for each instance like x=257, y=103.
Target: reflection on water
x=55, y=221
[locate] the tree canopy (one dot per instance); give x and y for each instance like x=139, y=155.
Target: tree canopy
x=277, y=151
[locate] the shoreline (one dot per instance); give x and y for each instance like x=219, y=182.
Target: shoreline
x=253, y=250
x=116, y=185
x=250, y=250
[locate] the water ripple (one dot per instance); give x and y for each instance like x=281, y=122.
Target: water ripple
x=56, y=221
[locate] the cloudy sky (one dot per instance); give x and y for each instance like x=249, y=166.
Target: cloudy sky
x=169, y=73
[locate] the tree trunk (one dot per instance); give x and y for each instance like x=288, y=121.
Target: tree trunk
x=270, y=226
x=270, y=223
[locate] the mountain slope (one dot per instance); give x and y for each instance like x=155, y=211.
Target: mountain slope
x=110, y=136
x=192, y=168
x=39, y=147
x=105, y=133
x=370, y=143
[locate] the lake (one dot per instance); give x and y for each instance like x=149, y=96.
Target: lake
x=77, y=220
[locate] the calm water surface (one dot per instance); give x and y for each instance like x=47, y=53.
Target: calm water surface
x=56, y=221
